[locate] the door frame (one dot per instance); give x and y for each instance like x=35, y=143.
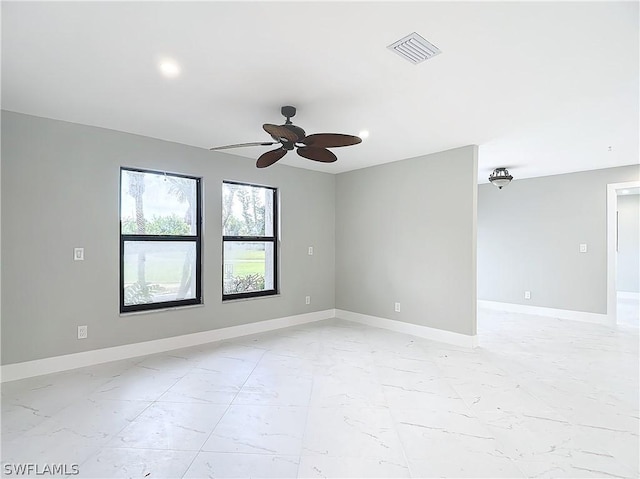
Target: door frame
x=612, y=266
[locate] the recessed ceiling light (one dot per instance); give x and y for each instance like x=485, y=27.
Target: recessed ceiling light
x=169, y=68
x=364, y=134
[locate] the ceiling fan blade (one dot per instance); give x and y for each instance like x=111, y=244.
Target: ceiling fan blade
x=280, y=132
x=270, y=157
x=317, y=154
x=330, y=140
x=240, y=145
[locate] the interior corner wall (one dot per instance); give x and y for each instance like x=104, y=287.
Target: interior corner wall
x=60, y=190
x=406, y=232
x=529, y=236
x=628, y=256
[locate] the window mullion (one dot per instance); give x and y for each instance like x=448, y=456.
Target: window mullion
x=129, y=237
x=249, y=239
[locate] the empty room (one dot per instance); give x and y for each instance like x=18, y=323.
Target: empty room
x=320, y=239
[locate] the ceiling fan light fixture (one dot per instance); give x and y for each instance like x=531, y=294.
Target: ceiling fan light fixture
x=500, y=177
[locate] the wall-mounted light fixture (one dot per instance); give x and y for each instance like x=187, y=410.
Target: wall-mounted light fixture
x=500, y=177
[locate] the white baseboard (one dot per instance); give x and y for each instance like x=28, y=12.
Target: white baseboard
x=426, y=332
x=12, y=372
x=628, y=295
x=548, y=312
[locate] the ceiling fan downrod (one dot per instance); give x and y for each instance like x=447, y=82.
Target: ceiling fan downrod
x=289, y=112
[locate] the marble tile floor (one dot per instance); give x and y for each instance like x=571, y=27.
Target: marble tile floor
x=539, y=398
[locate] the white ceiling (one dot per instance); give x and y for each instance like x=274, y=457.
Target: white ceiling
x=543, y=88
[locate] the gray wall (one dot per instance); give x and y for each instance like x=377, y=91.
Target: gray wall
x=60, y=188
x=406, y=232
x=628, y=243
x=529, y=235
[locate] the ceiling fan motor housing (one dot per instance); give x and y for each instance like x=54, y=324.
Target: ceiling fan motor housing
x=299, y=132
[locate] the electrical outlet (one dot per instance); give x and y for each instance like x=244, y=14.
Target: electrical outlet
x=397, y=307
x=310, y=250
x=307, y=299
x=527, y=295
x=82, y=332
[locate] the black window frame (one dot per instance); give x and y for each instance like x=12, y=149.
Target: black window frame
x=197, y=239
x=274, y=239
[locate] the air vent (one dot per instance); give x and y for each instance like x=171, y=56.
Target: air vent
x=414, y=48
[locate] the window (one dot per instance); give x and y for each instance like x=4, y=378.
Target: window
x=249, y=241
x=160, y=240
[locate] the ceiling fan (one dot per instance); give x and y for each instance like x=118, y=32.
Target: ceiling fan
x=313, y=147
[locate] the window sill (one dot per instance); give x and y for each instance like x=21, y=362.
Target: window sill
x=239, y=300
x=161, y=310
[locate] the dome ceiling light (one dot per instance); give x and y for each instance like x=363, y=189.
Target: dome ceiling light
x=500, y=177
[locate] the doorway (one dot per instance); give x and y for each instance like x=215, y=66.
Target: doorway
x=623, y=298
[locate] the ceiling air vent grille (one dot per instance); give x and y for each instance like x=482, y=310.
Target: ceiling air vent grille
x=414, y=48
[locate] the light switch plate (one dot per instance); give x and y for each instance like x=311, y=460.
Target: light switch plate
x=310, y=250
x=78, y=254
x=583, y=248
